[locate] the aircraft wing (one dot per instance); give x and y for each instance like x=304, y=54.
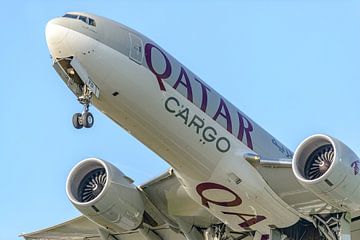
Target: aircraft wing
x=83, y=228
x=167, y=202
x=77, y=228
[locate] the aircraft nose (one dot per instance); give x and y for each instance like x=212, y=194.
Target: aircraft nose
x=55, y=34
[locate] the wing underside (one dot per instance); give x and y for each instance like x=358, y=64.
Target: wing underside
x=166, y=201
x=82, y=228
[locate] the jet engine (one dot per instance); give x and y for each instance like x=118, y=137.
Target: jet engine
x=328, y=168
x=105, y=195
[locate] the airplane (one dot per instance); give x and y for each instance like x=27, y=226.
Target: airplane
x=229, y=178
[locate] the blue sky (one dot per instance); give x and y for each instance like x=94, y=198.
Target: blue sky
x=292, y=66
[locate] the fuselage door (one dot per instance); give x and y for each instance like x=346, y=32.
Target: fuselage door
x=136, y=48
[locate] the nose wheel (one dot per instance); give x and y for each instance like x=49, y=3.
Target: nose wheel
x=84, y=119
x=81, y=120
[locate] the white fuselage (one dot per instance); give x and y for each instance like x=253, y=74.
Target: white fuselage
x=200, y=134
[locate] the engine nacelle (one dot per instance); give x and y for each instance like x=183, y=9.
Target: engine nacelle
x=329, y=169
x=105, y=195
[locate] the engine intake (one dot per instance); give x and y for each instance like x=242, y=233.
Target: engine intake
x=92, y=185
x=319, y=162
x=328, y=168
x=105, y=195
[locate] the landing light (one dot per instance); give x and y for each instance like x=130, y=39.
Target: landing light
x=255, y=159
x=70, y=71
x=252, y=158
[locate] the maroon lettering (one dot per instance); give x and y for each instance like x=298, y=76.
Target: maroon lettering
x=247, y=222
x=162, y=69
x=204, y=100
x=245, y=131
x=186, y=83
x=226, y=114
x=159, y=76
x=207, y=186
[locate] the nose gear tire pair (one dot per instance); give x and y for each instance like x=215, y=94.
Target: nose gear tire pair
x=81, y=120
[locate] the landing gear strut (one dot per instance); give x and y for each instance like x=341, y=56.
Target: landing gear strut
x=84, y=119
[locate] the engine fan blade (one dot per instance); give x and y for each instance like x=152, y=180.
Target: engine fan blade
x=319, y=162
x=92, y=185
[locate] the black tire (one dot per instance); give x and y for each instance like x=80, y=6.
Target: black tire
x=77, y=120
x=88, y=120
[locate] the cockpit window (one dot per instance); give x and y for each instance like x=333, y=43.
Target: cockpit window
x=92, y=22
x=82, y=18
x=86, y=20
x=71, y=16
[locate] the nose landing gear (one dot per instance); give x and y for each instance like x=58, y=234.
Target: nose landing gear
x=84, y=119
